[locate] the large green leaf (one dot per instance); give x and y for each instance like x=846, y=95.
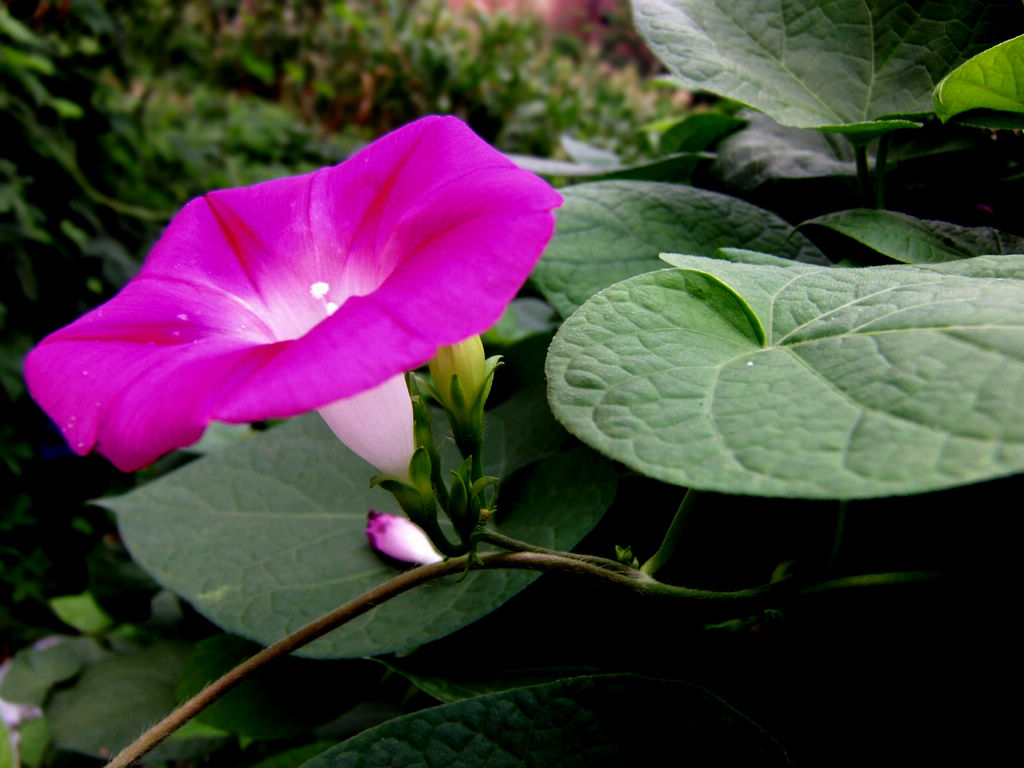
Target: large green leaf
x=801, y=381
x=269, y=534
x=608, y=231
x=606, y=721
x=994, y=79
x=824, y=63
x=917, y=241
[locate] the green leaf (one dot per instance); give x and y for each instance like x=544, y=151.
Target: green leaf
x=81, y=612
x=994, y=79
x=117, y=698
x=35, y=742
x=697, y=132
x=521, y=319
x=471, y=680
x=588, y=154
x=676, y=167
x=7, y=757
x=917, y=241
x=870, y=382
x=294, y=758
x=607, y=721
x=817, y=63
x=34, y=671
x=520, y=431
x=766, y=151
x=283, y=699
x=608, y=231
x=268, y=534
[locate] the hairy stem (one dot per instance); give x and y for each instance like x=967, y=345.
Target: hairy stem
x=515, y=545
x=749, y=600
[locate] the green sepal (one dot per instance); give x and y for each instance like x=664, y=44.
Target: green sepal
x=491, y=364
x=481, y=484
x=458, y=502
x=425, y=386
x=457, y=394
x=408, y=498
x=420, y=471
x=421, y=509
x=423, y=432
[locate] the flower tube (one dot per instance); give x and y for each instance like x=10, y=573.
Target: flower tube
x=311, y=292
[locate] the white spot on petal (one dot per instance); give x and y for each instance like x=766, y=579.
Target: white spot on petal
x=319, y=290
x=331, y=307
x=183, y=317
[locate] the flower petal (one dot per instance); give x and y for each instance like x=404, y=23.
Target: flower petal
x=268, y=301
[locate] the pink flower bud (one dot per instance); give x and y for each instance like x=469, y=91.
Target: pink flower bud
x=400, y=538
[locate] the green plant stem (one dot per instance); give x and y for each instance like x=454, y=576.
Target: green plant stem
x=749, y=600
x=840, y=532
x=515, y=545
x=672, y=535
x=403, y=582
x=880, y=160
x=860, y=153
x=865, y=580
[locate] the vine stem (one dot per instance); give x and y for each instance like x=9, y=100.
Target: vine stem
x=403, y=582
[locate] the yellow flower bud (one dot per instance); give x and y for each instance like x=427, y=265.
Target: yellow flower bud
x=465, y=360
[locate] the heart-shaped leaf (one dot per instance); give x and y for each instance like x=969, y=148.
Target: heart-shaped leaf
x=824, y=63
x=994, y=79
x=607, y=721
x=268, y=534
x=608, y=231
x=917, y=241
x=801, y=381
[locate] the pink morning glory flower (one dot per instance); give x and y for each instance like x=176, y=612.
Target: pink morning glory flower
x=400, y=539
x=312, y=292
